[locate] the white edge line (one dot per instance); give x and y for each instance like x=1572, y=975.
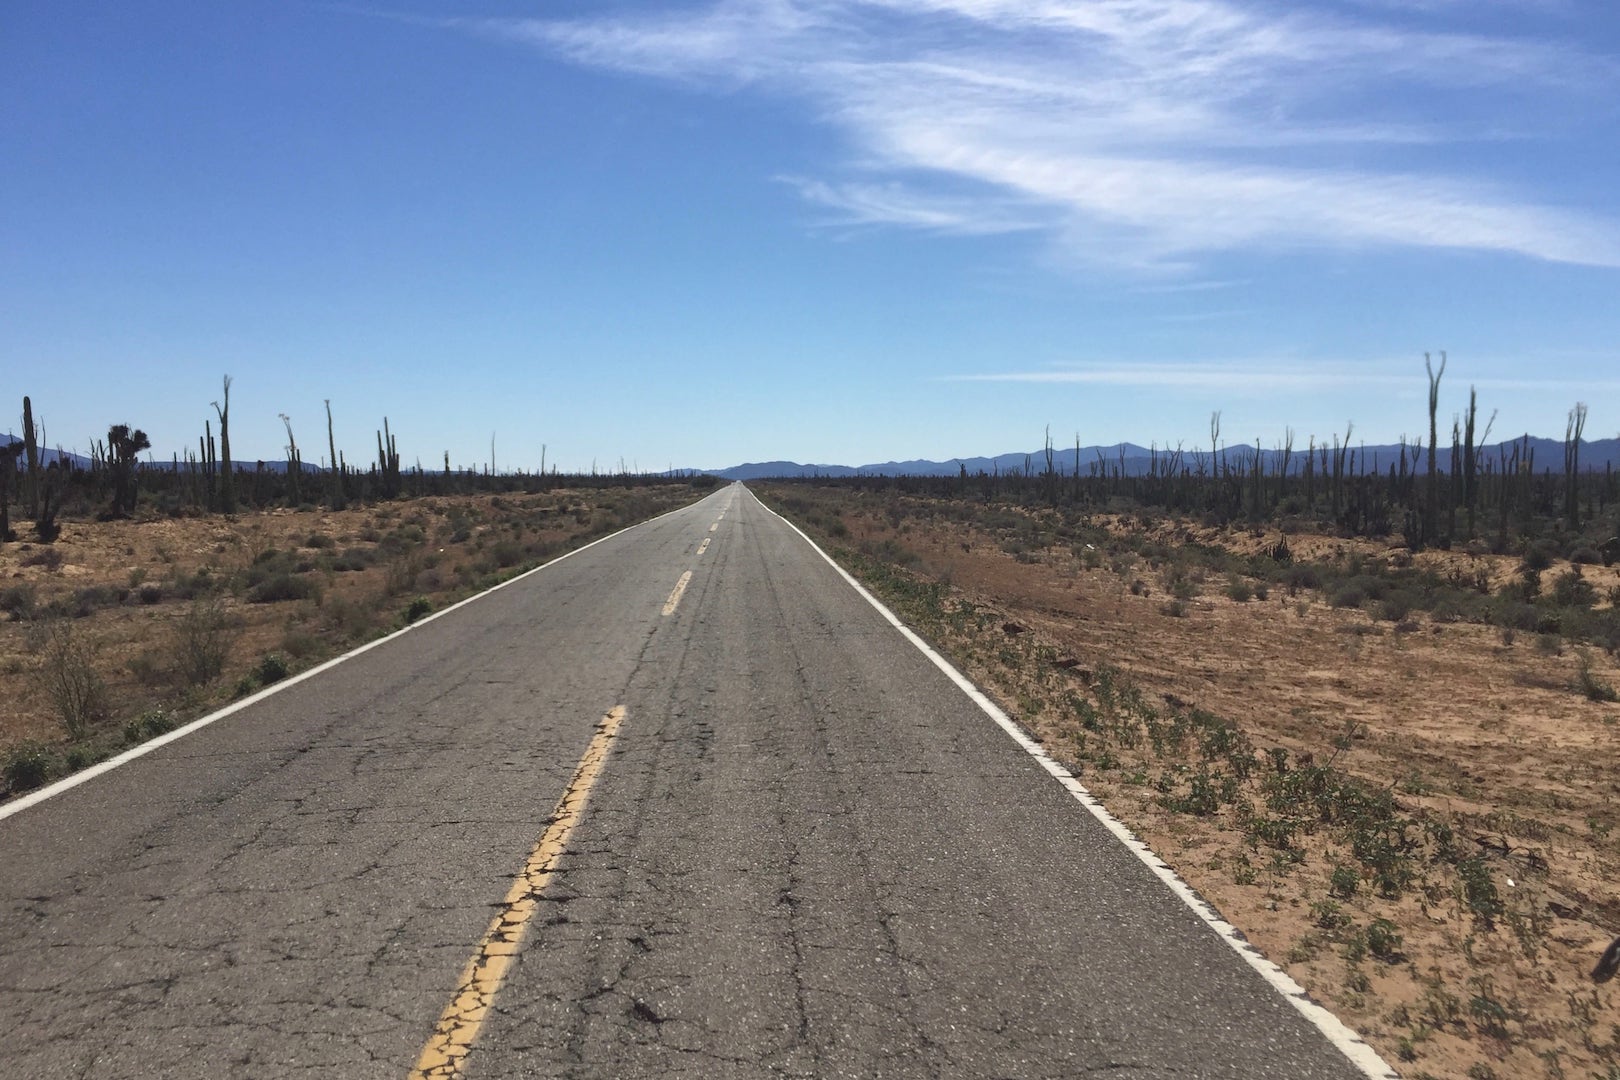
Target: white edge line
x=33, y=798
x=1346, y=1041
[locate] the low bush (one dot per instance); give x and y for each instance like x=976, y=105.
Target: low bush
x=29, y=766
x=148, y=725
x=202, y=642
x=69, y=678
x=282, y=587
x=272, y=668
x=19, y=601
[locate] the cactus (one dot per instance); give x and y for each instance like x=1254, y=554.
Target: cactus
x=332, y=462
x=1572, y=464
x=9, y=452
x=227, y=484
x=1431, y=498
x=31, y=448
x=388, y=462
x=295, y=464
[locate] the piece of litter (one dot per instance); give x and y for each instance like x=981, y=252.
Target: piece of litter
x=1510, y=883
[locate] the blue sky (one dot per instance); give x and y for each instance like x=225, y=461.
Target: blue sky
x=825, y=230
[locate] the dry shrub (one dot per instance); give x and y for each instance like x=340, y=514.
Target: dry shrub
x=68, y=676
x=202, y=641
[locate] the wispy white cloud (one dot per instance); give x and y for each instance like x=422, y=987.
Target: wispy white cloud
x=1148, y=132
x=893, y=203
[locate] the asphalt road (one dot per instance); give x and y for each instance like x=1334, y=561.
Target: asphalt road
x=805, y=853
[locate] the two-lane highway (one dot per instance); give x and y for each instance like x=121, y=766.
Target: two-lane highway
x=683, y=803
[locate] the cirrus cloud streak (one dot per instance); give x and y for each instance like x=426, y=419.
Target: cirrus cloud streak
x=1145, y=132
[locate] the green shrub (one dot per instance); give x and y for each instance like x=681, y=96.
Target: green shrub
x=29, y=766
x=1384, y=940
x=1570, y=589
x=1329, y=915
x=148, y=725
x=1477, y=891
x=418, y=608
x=272, y=668
x=1537, y=558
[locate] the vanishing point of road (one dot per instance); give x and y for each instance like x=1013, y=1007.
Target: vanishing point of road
x=684, y=803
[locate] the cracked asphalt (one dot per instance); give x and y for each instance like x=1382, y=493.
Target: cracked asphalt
x=809, y=854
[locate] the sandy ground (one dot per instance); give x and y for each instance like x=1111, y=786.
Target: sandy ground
x=1463, y=726
x=125, y=588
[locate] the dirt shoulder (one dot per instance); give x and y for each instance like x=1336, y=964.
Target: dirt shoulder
x=122, y=629
x=1413, y=813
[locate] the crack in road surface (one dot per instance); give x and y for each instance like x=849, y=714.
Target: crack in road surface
x=459, y=1026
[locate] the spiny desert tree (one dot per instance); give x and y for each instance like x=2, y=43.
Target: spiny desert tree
x=124, y=446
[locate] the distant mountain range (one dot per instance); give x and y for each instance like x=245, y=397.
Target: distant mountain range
x=148, y=461
x=1132, y=459
x=1136, y=460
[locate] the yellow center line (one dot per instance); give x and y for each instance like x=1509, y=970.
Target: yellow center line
x=446, y=1052
x=675, y=596
x=714, y=527
x=703, y=546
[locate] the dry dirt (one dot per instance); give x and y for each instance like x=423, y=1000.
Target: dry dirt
x=125, y=588
x=1462, y=724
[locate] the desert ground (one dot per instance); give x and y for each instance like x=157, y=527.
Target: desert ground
x=1410, y=809
x=1414, y=814
x=122, y=629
